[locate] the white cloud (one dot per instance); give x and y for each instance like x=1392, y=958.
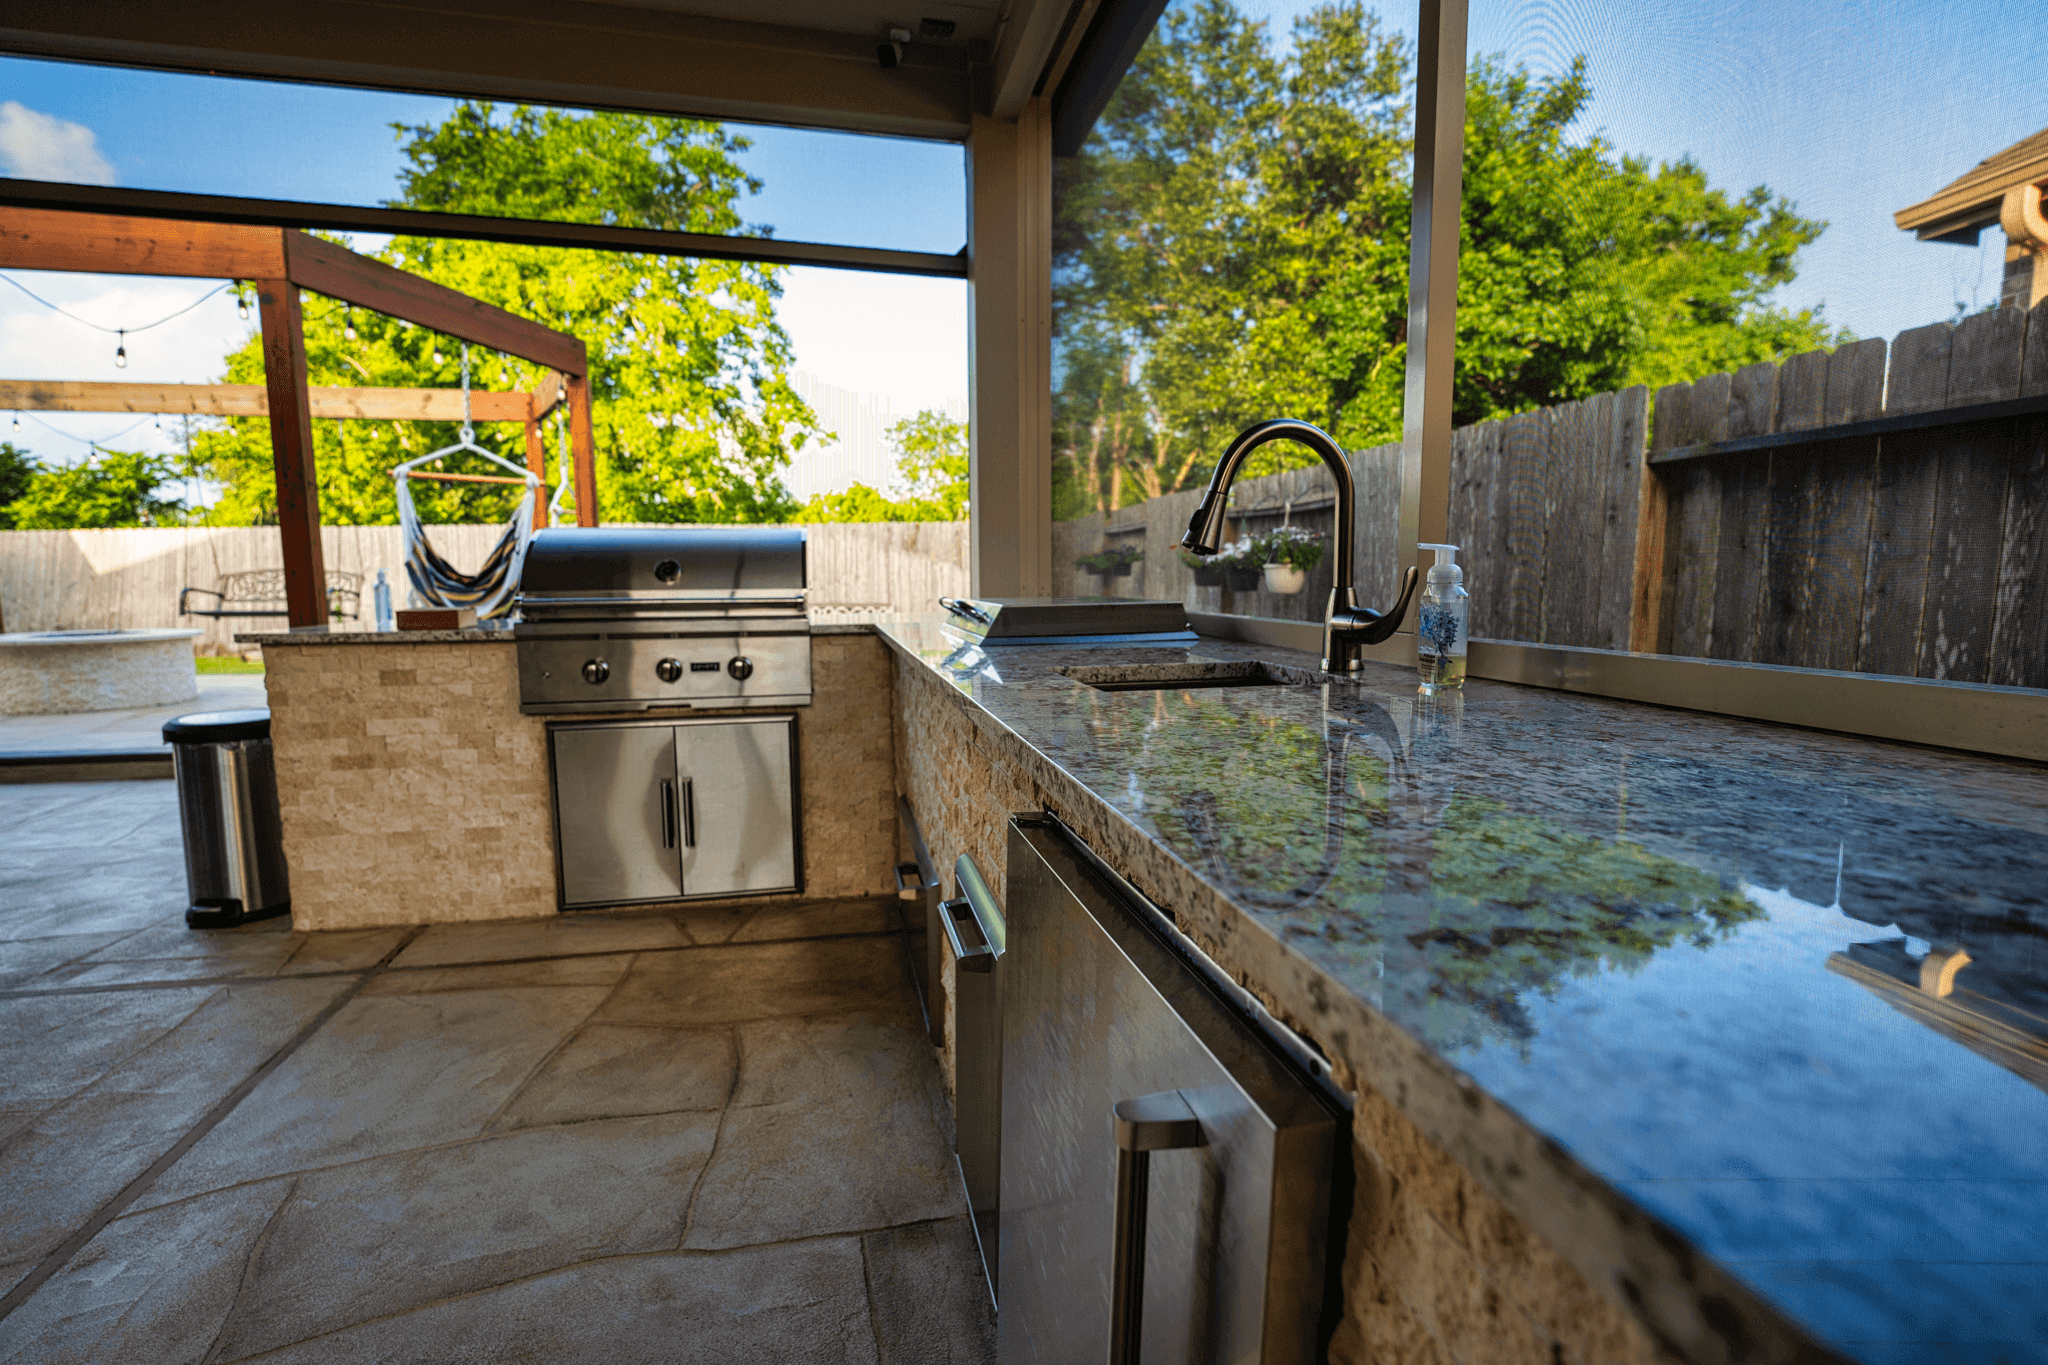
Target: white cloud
x=38, y=146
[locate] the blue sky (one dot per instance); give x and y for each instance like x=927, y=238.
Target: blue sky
x=1853, y=108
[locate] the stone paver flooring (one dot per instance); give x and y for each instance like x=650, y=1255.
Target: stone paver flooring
x=686, y=1135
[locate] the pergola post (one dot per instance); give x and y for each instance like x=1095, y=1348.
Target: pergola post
x=1009, y=328
x=537, y=463
x=583, y=449
x=291, y=446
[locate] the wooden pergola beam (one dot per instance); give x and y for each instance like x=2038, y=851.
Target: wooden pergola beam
x=280, y=262
x=108, y=244
x=251, y=400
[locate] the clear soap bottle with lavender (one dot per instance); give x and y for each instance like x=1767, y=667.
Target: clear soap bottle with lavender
x=1440, y=635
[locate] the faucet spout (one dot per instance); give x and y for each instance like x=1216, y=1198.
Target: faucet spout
x=1347, y=627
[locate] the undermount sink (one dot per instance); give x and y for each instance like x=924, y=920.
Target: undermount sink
x=1162, y=677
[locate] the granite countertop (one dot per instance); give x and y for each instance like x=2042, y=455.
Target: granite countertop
x=1687, y=950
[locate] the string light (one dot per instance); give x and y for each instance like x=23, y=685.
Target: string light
x=241, y=308
x=17, y=421
x=437, y=358
x=121, y=350
x=348, y=323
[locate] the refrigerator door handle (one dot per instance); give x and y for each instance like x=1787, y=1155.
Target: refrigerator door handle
x=1160, y=1122
x=979, y=958
x=668, y=813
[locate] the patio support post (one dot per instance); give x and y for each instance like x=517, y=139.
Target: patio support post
x=291, y=446
x=1433, y=276
x=1009, y=328
x=583, y=448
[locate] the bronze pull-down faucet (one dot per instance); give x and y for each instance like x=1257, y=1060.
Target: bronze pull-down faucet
x=1347, y=627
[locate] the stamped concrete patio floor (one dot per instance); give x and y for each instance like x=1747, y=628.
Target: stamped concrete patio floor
x=686, y=1135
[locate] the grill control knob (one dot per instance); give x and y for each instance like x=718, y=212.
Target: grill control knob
x=741, y=668
x=668, y=670
x=668, y=571
x=596, y=671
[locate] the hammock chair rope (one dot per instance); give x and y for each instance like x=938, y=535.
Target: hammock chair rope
x=434, y=579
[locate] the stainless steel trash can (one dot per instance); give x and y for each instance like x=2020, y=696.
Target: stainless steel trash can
x=227, y=804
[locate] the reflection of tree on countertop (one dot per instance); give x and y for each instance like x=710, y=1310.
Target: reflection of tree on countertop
x=1461, y=903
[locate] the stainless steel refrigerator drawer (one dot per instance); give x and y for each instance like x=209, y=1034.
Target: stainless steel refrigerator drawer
x=673, y=810
x=1165, y=1172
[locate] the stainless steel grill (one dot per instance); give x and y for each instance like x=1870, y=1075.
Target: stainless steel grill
x=630, y=618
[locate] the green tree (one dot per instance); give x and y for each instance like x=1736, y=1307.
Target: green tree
x=693, y=414
x=112, y=488
x=1233, y=245
x=17, y=467
x=931, y=464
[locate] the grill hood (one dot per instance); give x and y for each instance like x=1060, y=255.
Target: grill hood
x=634, y=564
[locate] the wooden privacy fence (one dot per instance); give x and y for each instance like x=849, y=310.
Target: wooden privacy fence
x=1879, y=508
x=99, y=580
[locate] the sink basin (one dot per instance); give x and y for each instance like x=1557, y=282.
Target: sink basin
x=1175, y=677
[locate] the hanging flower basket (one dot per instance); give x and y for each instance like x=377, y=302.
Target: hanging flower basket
x=1115, y=562
x=1285, y=578
x=1243, y=577
x=1207, y=570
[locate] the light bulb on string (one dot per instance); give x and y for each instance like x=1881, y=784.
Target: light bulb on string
x=121, y=350
x=242, y=306
x=17, y=421
x=437, y=358
x=348, y=324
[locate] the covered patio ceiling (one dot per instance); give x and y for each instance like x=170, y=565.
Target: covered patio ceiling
x=809, y=63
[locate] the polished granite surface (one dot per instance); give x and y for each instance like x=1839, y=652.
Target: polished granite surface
x=1690, y=950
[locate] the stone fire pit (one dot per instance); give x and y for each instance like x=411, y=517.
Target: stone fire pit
x=59, y=672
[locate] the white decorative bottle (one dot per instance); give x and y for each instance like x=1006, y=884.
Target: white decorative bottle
x=1440, y=634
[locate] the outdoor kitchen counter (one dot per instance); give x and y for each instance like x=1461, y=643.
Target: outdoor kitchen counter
x=414, y=792
x=1611, y=958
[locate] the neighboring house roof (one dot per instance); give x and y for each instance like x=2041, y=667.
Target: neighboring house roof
x=1961, y=208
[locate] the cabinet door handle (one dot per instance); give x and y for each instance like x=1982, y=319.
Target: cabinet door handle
x=689, y=812
x=1150, y=1123
x=668, y=813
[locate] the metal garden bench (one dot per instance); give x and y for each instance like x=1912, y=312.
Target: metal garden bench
x=260, y=592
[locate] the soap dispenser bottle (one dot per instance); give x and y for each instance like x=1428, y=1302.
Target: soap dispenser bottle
x=1440, y=636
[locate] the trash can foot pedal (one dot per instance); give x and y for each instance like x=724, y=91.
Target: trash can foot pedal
x=229, y=915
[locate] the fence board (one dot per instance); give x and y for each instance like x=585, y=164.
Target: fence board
x=1569, y=521
x=1856, y=377
x=2019, y=642
x=1984, y=357
x=1919, y=373
x=1753, y=400
x=1895, y=579
x=1802, y=391
x=1817, y=544
x=1694, y=493
x=1526, y=460
x=1739, y=574
x=2034, y=366
x=1962, y=559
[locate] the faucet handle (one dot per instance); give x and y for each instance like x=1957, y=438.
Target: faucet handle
x=1380, y=626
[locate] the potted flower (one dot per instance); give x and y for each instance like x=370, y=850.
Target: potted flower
x=1286, y=556
x=1207, y=569
x=1112, y=561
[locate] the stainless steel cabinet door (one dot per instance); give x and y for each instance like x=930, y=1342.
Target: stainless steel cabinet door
x=1098, y=1010
x=737, y=788
x=615, y=826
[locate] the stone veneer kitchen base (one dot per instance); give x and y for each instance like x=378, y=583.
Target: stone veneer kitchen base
x=1436, y=1269
x=413, y=791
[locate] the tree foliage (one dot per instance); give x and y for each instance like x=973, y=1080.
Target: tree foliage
x=1233, y=245
x=113, y=488
x=931, y=466
x=693, y=415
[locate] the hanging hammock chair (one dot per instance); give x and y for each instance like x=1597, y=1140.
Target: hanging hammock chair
x=435, y=581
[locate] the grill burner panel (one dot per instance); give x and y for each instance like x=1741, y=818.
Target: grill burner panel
x=630, y=619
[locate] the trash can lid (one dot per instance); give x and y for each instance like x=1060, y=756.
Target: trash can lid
x=218, y=727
